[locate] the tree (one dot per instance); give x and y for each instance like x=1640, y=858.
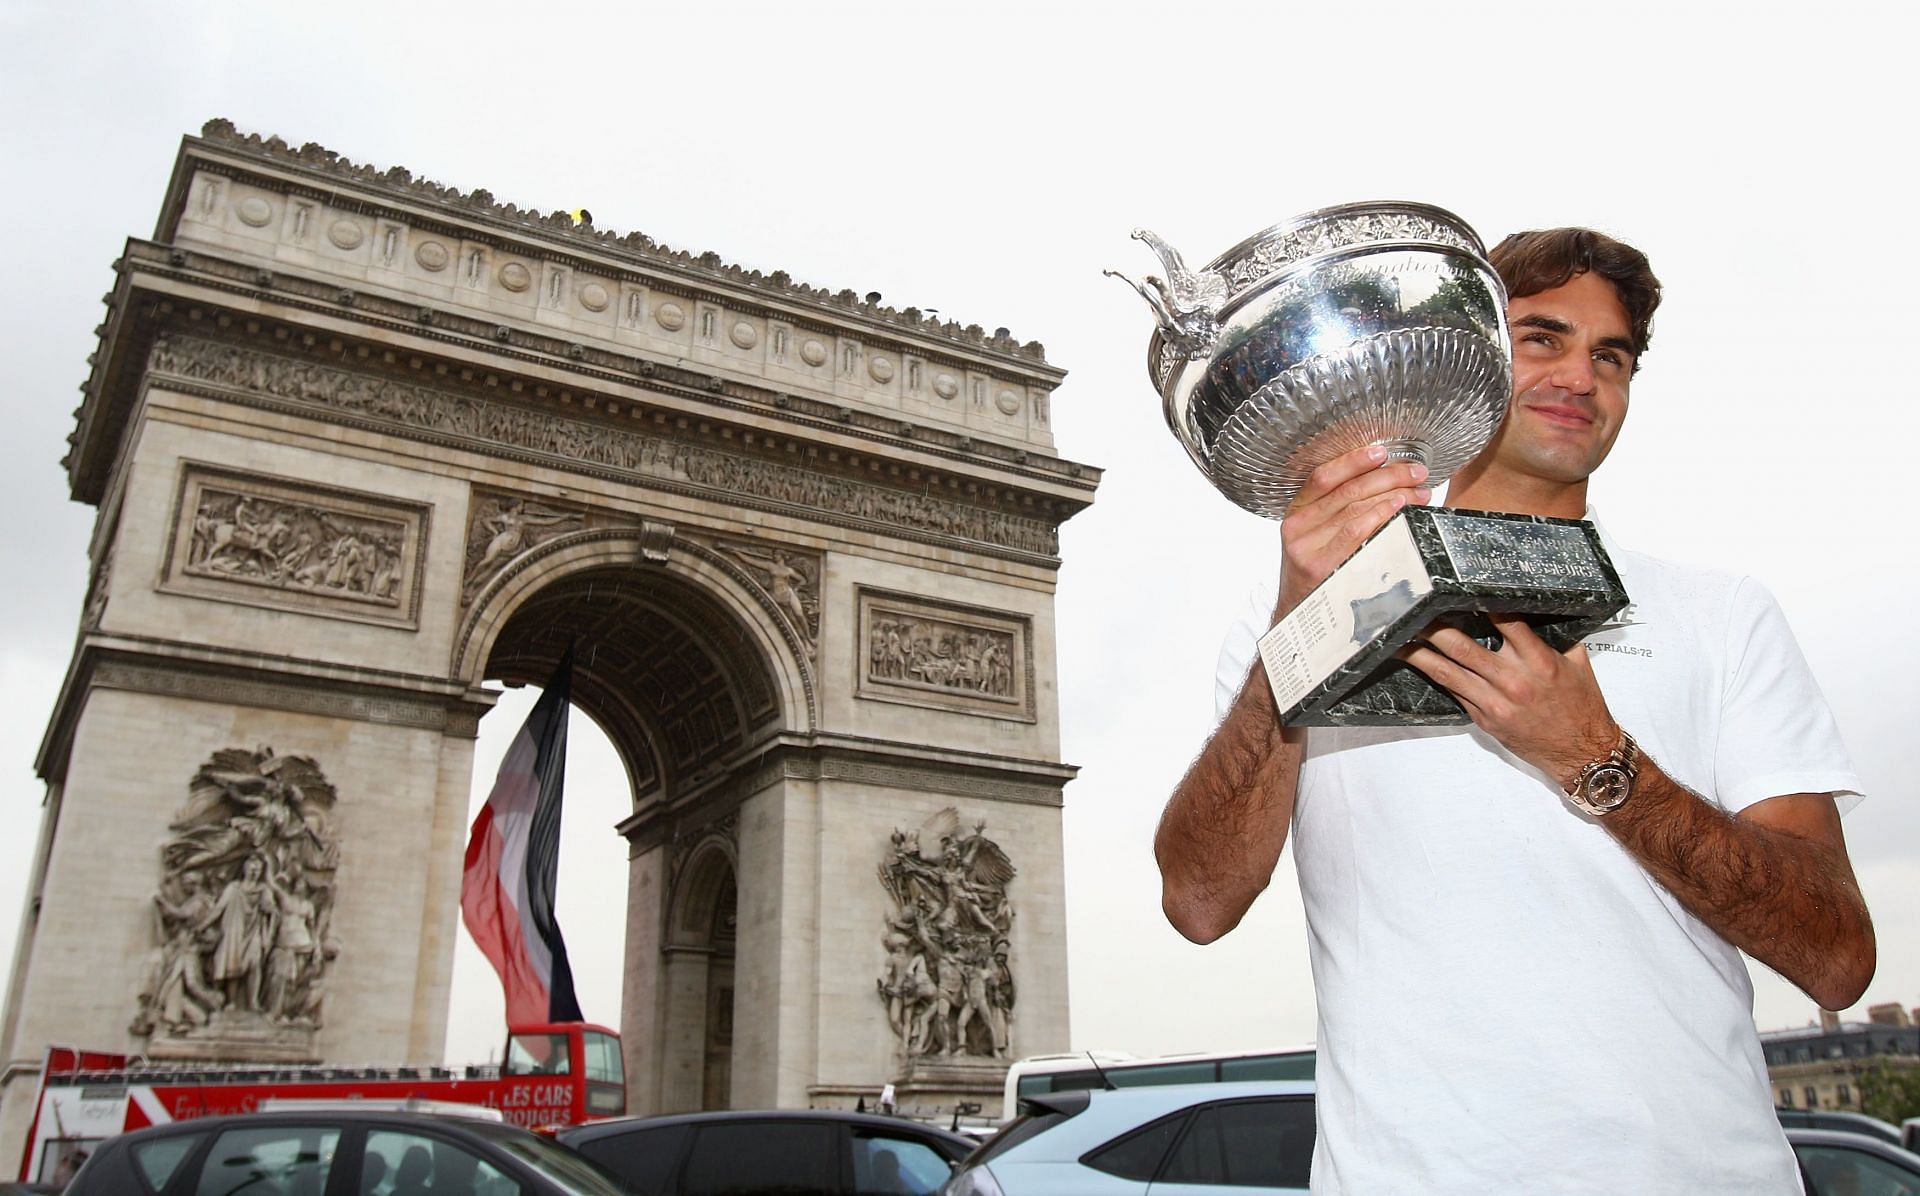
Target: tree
x=1889, y=1092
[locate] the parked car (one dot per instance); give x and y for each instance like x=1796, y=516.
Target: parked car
x=1837, y=1163
x=318, y=1152
x=1206, y=1138
x=815, y=1151
x=1841, y=1120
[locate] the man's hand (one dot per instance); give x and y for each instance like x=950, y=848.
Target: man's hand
x=1344, y=501
x=1773, y=880
x=1543, y=706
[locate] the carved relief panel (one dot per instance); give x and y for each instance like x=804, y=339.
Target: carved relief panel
x=944, y=656
x=789, y=578
x=272, y=542
x=243, y=912
x=503, y=527
x=947, y=984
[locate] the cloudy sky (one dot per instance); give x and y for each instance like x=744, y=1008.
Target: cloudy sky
x=989, y=160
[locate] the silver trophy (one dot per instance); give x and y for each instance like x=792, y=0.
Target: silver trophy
x=1371, y=323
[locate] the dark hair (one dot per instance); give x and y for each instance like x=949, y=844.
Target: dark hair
x=1537, y=261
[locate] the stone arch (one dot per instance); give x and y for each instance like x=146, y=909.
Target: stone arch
x=692, y=661
x=699, y=962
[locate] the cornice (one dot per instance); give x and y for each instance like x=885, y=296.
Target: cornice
x=149, y=664
x=150, y=273
x=329, y=170
x=852, y=760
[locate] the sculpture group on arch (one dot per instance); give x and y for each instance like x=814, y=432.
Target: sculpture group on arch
x=948, y=986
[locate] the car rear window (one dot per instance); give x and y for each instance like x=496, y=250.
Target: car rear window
x=1258, y=1143
x=1038, y=1118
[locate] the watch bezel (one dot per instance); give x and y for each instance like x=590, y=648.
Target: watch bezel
x=1615, y=771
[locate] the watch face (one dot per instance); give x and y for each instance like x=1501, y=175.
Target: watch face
x=1607, y=787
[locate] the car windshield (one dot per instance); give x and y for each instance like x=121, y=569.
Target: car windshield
x=573, y=1173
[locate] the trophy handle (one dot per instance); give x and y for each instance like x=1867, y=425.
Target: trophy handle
x=1184, y=302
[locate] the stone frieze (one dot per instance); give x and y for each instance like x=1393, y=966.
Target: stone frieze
x=721, y=476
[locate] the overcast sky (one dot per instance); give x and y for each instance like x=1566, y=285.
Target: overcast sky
x=989, y=160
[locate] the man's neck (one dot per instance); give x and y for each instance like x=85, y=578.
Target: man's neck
x=1518, y=496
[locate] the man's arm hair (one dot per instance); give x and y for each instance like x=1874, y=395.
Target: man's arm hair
x=1773, y=880
x=1222, y=832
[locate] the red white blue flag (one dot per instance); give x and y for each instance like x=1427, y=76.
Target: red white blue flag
x=513, y=856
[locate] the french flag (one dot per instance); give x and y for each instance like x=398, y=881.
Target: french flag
x=513, y=857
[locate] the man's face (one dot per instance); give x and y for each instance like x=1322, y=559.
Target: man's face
x=1572, y=361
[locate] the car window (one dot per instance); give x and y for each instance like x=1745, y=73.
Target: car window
x=1137, y=1155
x=276, y=1160
x=158, y=1158
x=1260, y=1143
x=573, y=1173
x=1840, y=1171
x=1037, y=1120
x=397, y=1163
x=793, y=1158
x=894, y=1165
x=642, y=1157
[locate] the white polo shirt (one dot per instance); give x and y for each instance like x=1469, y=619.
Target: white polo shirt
x=1507, y=1000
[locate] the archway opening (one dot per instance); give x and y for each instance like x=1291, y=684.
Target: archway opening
x=592, y=879
x=678, y=696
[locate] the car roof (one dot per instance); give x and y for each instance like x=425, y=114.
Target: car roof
x=1101, y=1115
x=590, y=1130
x=1824, y=1136
x=345, y=1115
x=1176, y=1096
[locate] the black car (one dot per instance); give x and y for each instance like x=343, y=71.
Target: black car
x=816, y=1151
x=1836, y=1163
x=343, y=1152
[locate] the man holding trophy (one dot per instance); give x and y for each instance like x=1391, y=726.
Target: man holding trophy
x=1534, y=826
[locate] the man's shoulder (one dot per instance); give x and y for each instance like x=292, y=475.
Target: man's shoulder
x=1705, y=585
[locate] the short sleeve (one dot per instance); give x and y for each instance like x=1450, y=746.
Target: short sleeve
x=1777, y=734
x=1242, y=647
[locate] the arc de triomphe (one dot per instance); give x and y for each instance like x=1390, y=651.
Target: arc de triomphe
x=360, y=443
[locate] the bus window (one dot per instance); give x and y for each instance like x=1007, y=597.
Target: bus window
x=537, y=1055
x=1269, y=1067
x=1145, y=1075
x=606, y=1081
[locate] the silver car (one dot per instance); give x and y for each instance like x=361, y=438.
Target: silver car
x=1178, y=1140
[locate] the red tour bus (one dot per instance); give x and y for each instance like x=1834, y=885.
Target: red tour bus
x=552, y=1073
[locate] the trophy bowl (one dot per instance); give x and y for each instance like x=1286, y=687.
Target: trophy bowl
x=1358, y=324
x=1368, y=323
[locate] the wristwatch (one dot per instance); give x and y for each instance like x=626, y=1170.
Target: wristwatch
x=1604, y=785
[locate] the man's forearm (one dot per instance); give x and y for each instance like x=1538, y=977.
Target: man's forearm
x=1786, y=899
x=1226, y=823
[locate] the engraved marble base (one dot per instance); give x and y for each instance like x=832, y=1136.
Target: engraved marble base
x=1330, y=661
x=239, y=1038
x=949, y=1081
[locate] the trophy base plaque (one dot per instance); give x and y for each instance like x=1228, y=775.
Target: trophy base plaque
x=1331, y=661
